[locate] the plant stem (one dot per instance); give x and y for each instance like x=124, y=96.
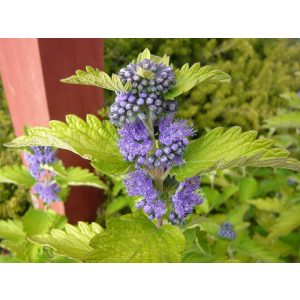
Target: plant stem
x=149, y=125
x=158, y=176
x=159, y=184
x=159, y=222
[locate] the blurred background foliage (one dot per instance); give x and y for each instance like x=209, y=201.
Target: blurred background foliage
x=13, y=200
x=261, y=70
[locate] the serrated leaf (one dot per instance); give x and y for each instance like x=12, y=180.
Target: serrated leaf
x=252, y=249
x=72, y=242
x=289, y=120
x=164, y=60
x=24, y=250
x=39, y=222
x=16, y=174
x=285, y=223
x=145, y=73
x=91, y=139
x=219, y=149
x=76, y=176
x=147, y=55
x=97, y=78
x=112, y=167
x=133, y=238
x=12, y=230
x=268, y=204
x=188, y=77
x=143, y=55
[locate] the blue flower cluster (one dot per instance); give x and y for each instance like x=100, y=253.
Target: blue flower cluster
x=139, y=183
x=45, y=187
x=148, y=76
x=40, y=156
x=185, y=199
x=48, y=191
x=149, y=81
x=129, y=107
x=151, y=137
x=226, y=231
x=135, y=143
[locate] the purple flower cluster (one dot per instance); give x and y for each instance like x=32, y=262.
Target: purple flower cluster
x=172, y=142
x=136, y=145
x=135, y=142
x=226, y=231
x=45, y=188
x=128, y=107
x=47, y=191
x=149, y=81
x=153, y=139
x=148, y=76
x=139, y=183
x=185, y=199
x=40, y=156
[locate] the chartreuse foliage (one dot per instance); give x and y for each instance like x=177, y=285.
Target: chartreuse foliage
x=97, y=141
x=72, y=242
x=97, y=78
x=261, y=70
x=16, y=174
x=12, y=200
x=186, y=77
x=189, y=77
x=288, y=120
x=93, y=140
x=219, y=149
x=76, y=176
x=130, y=238
x=286, y=223
x=133, y=237
x=15, y=202
x=14, y=235
x=73, y=176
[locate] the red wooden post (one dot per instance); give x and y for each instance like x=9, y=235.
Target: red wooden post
x=30, y=71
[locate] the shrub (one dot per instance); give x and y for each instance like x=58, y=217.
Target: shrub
x=149, y=147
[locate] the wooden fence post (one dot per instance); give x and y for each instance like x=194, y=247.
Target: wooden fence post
x=30, y=71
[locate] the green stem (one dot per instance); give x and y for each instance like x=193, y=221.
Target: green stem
x=159, y=184
x=149, y=125
x=157, y=175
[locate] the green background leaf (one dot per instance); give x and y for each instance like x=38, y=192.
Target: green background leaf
x=289, y=120
x=16, y=174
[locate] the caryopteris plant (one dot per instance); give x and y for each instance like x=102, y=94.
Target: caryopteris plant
x=46, y=177
x=160, y=162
